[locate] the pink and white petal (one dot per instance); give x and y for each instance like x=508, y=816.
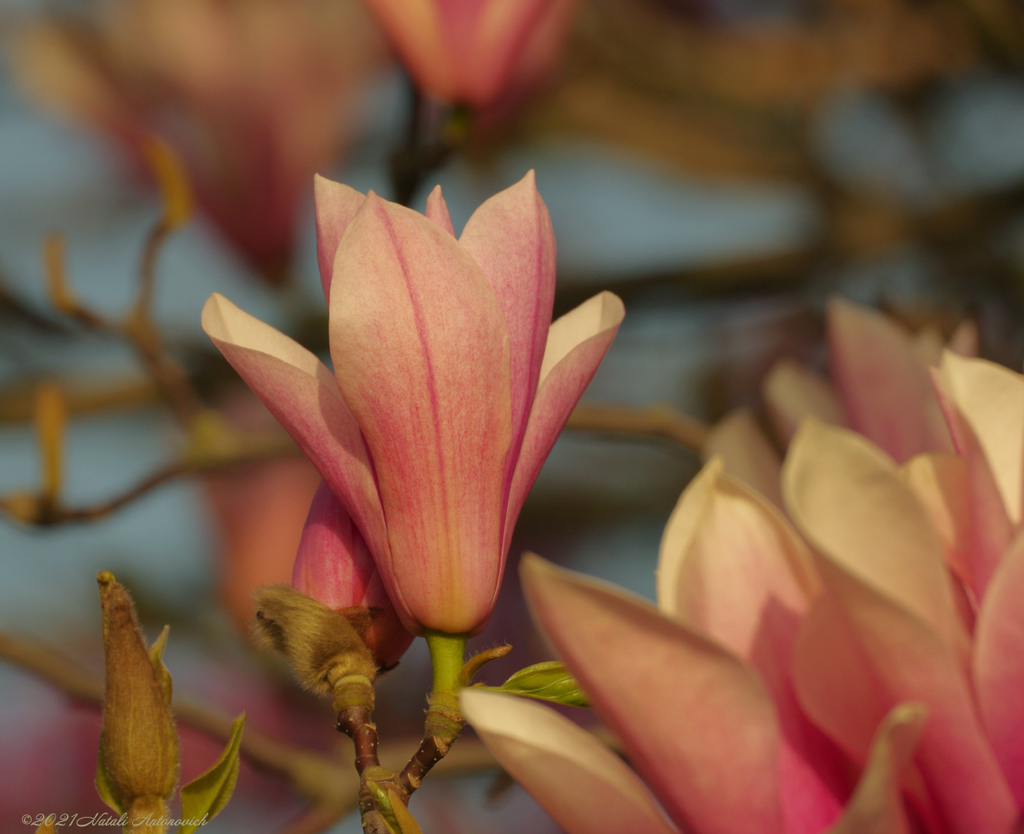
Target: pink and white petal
x=859, y=654
x=998, y=666
x=991, y=400
x=421, y=356
x=303, y=396
x=940, y=482
x=991, y=528
x=334, y=565
x=928, y=345
x=695, y=720
x=964, y=340
x=510, y=237
x=885, y=387
x=877, y=804
x=335, y=205
x=585, y=787
x=577, y=342
x=437, y=210
x=746, y=452
x=732, y=568
x=847, y=498
x=485, y=46
x=792, y=392
x=414, y=28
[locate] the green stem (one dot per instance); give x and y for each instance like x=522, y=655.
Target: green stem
x=446, y=656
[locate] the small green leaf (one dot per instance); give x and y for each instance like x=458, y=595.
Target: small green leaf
x=548, y=681
x=406, y=822
x=205, y=796
x=156, y=654
x=103, y=786
x=382, y=801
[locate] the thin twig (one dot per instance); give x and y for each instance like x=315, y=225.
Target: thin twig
x=654, y=421
x=332, y=787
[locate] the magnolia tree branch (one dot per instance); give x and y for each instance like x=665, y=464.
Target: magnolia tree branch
x=332, y=787
x=239, y=448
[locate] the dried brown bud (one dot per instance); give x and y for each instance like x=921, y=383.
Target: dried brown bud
x=321, y=644
x=139, y=744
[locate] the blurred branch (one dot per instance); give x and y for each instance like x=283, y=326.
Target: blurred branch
x=655, y=421
x=331, y=786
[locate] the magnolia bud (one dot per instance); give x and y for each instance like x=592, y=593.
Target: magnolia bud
x=321, y=644
x=139, y=743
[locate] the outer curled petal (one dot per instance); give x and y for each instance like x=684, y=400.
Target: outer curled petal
x=700, y=728
x=301, y=393
x=421, y=355
x=334, y=566
x=335, y=204
x=577, y=342
x=585, y=787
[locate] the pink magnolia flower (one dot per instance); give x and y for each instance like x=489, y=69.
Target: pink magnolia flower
x=450, y=385
x=773, y=670
x=879, y=386
x=253, y=96
x=474, y=51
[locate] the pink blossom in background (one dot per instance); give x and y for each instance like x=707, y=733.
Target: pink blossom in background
x=475, y=51
x=774, y=672
x=879, y=385
x=255, y=96
x=451, y=384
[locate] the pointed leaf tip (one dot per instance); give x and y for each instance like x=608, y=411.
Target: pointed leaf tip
x=206, y=795
x=548, y=681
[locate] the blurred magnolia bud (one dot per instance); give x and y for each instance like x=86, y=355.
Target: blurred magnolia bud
x=321, y=644
x=138, y=761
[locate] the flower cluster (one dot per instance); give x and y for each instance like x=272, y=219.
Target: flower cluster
x=860, y=675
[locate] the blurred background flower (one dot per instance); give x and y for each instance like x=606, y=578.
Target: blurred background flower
x=724, y=166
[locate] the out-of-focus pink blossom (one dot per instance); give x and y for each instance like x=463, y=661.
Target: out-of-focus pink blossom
x=879, y=386
x=475, y=51
x=253, y=95
x=451, y=384
x=773, y=671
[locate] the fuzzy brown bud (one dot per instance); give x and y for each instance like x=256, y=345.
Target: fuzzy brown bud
x=139, y=743
x=321, y=644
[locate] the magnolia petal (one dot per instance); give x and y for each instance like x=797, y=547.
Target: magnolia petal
x=940, y=482
x=792, y=392
x=414, y=27
x=991, y=528
x=510, y=237
x=998, y=666
x=585, y=787
x=732, y=568
x=746, y=452
x=302, y=394
x=695, y=721
x=877, y=804
x=437, y=210
x=335, y=205
x=886, y=390
x=486, y=41
x=421, y=354
x=334, y=566
x=991, y=400
x=964, y=340
x=847, y=497
x=859, y=654
x=577, y=342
